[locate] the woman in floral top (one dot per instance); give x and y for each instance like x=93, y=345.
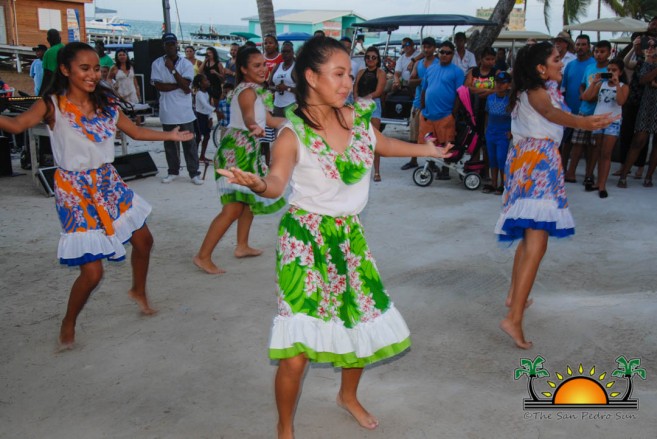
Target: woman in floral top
x=332, y=305
x=97, y=211
x=250, y=108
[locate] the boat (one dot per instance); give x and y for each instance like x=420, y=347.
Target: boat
x=214, y=38
x=106, y=21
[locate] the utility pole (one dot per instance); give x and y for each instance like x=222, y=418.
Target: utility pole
x=167, y=16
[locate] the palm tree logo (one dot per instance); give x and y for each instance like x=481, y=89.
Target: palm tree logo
x=579, y=389
x=533, y=369
x=627, y=369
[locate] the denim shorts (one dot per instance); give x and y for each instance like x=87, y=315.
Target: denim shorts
x=611, y=130
x=377, y=111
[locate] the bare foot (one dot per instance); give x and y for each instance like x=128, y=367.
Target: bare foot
x=142, y=301
x=515, y=332
x=359, y=413
x=283, y=434
x=528, y=303
x=246, y=252
x=66, y=337
x=207, y=266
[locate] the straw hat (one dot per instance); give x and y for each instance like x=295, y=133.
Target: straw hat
x=565, y=36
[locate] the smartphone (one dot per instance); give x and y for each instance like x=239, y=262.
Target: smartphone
x=605, y=76
x=647, y=41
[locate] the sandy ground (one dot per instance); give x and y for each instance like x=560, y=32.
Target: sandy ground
x=199, y=368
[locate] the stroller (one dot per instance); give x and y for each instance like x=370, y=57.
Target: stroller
x=465, y=146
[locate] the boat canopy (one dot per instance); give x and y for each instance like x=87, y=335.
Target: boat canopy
x=394, y=22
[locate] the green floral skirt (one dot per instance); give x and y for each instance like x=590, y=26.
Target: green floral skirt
x=332, y=305
x=241, y=150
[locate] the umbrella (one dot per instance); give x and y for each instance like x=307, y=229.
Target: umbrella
x=247, y=35
x=294, y=36
x=615, y=24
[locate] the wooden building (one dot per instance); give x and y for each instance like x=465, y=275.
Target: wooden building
x=25, y=22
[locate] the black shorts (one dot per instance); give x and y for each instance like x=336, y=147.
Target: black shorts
x=203, y=124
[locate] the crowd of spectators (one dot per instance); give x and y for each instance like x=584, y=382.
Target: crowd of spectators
x=196, y=94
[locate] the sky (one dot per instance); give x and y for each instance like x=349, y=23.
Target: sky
x=219, y=12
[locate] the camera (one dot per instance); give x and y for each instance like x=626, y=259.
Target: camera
x=605, y=76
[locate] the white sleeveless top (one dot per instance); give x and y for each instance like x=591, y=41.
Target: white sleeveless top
x=607, y=100
x=287, y=98
x=312, y=191
x=526, y=122
x=125, y=85
x=74, y=151
x=236, y=120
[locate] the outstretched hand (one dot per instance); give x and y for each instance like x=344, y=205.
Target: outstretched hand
x=256, y=130
x=600, y=121
x=237, y=176
x=181, y=136
x=439, y=152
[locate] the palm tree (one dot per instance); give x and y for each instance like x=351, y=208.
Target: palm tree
x=266, y=17
x=486, y=37
x=574, y=9
x=640, y=9
x=627, y=369
x=533, y=369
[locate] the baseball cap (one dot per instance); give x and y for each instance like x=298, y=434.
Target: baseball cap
x=169, y=38
x=40, y=47
x=503, y=77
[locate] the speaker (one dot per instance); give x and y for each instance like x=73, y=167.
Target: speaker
x=5, y=158
x=136, y=165
x=145, y=52
x=47, y=179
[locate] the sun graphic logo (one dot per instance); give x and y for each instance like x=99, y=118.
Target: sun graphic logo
x=582, y=388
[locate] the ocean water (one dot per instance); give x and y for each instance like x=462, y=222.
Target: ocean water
x=153, y=29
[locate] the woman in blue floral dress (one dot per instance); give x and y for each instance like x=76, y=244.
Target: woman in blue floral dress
x=332, y=305
x=250, y=109
x=535, y=205
x=98, y=212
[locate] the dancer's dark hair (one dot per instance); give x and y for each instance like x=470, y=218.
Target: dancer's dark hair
x=102, y=97
x=525, y=74
x=312, y=56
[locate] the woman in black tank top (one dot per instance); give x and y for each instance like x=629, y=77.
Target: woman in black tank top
x=370, y=84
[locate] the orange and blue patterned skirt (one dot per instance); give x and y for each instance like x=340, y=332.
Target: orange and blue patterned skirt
x=98, y=212
x=534, y=192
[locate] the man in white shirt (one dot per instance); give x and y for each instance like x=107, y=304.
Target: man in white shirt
x=566, y=48
x=402, y=72
x=172, y=75
x=463, y=58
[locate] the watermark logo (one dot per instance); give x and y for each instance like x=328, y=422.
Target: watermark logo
x=580, y=389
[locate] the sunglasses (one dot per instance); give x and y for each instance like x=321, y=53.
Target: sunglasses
x=371, y=57
x=445, y=52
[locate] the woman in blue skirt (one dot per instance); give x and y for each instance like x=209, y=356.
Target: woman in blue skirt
x=535, y=205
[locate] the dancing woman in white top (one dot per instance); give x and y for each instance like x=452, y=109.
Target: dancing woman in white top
x=535, y=204
x=332, y=305
x=98, y=212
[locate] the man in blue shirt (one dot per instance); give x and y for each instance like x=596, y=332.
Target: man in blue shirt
x=438, y=97
x=570, y=82
x=582, y=140
x=417, y=75
x=36, y=69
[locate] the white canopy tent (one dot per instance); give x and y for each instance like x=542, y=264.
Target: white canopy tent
x=614, y=24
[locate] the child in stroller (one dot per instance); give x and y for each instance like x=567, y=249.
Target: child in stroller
x=465, y=147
